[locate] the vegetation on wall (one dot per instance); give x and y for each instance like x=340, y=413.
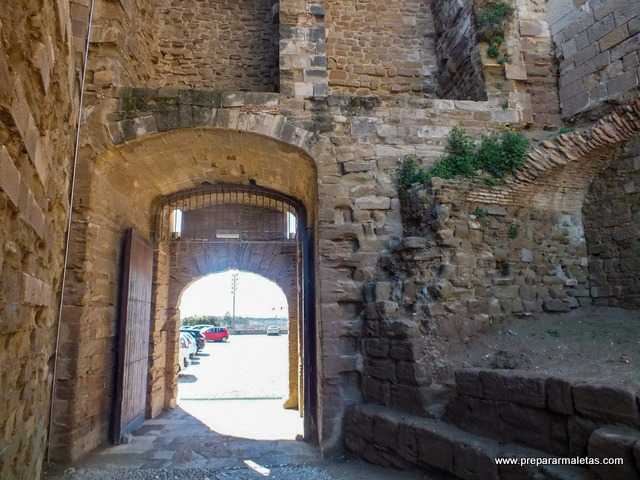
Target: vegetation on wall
x=492, y=21
x=493, y=156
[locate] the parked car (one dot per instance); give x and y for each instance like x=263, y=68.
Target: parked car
x=273, y=330
x=200, y=326
x=215, y=334
x=198, y=337
x=185, y=349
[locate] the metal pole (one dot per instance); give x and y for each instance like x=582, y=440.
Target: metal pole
x=234, y=291
x=74, y=165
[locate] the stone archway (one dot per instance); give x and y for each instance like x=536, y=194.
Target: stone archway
x=117, y=189
x=267, y=243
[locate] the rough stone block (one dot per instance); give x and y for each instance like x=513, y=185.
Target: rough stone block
x=614, y=442
x=407, y=442
x=10, y=178
x=528, y=426
x=381, y=369
x=514, y=386
x=468, y=382
x=385, y=431
x=376, y=347
x=580, y=430
x=435, y=449
x=373, y=203
x=559, y=396
x=359, y=423
x=375, y=390
x=476, y=415
x=409, y=398
x=605, y=402
x=413, y=373
x=555, y=305
x=401, y=350
x=475, y=460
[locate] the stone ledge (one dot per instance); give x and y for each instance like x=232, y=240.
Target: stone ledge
x=389, y=438
x=607, y=403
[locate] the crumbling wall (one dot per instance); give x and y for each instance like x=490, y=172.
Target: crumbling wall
x=225, y=44
x=460, y=72
x=597, y=44
x=612, y=228
x=381, y=47
x=37, y=117
x=462, y=268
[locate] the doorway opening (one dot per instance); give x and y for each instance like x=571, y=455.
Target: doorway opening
x=237, y=380
x=236, y=262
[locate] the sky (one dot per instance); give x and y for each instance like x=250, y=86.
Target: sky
x=256, y=297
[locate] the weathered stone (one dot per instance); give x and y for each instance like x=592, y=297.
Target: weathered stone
x=559, y=396
x=435, y=450
x=468, y=382
x=517, y=387
x=614, y=442
x=605, y=402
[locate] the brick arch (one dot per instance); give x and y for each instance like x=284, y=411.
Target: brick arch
x=557, y=173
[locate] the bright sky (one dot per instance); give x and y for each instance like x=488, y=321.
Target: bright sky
x=256, y=297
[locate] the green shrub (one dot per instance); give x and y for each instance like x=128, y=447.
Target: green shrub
x=513, y=232
x=411, y=173
x=480, y=212
x=492, y=20
x=459, y=159
x=500, y=154
x=497, y=154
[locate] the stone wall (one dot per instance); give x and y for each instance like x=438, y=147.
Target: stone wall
x=114, y=194
x=516, y=415
x=460, y=72
x=462, y=268
x=598, y=44
x=37, y=105
x=540, y=79
x=560, y=414
x=228, y=44
x=611, y=214
x=123, y=43
x=377, y=48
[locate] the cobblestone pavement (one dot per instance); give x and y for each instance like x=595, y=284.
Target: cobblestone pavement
x=215, y=435
x=179, y=446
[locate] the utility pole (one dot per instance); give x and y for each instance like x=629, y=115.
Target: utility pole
x=234, y=291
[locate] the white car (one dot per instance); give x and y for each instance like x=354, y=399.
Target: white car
x=273, y=330
x=188, y=349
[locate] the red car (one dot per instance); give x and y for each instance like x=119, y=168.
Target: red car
x=215, y=334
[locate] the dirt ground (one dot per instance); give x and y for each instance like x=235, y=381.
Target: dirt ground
x=599, y=344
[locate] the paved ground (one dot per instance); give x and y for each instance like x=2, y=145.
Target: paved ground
x=179, y=446
x=213, y=435
x=247, y=366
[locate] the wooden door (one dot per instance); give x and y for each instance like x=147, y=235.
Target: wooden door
x=133, y=336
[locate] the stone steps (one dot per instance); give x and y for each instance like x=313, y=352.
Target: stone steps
x=400, y=440
x=560, y=416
